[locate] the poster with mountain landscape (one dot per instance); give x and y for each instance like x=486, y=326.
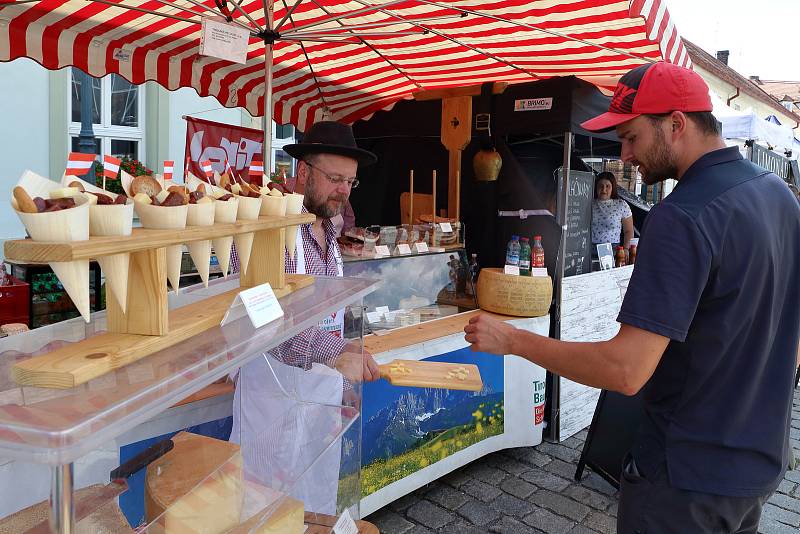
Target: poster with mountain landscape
x=407, y=429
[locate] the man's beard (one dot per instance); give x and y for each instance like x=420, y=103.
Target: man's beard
x=661, y=165
x=319, y=206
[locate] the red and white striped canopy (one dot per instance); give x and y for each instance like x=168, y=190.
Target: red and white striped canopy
x=343, y=59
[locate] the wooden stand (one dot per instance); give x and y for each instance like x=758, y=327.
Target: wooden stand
x=149, y=326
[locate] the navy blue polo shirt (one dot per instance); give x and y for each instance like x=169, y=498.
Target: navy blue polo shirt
x=718, y=273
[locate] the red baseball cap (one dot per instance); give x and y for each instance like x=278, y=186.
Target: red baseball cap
x=652, y=89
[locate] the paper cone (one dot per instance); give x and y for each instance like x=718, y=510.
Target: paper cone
x=200, y=251
x=271, y=205
x=37, y=186
x=192, y=182
x=226, y=211
x=249, y=208
x=59, y=226
x=294, y=205
x=125, y=180
x=166, y=218
x=114, y=220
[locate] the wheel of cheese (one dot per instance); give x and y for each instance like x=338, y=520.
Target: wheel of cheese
x=522, y=296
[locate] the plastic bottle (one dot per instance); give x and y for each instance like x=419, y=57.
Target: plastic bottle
x=512, y=252
x=619, y=257
x=525, y=257
x=537, y=252
x=632, y=255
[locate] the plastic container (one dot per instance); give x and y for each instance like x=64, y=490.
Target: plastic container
x=512, y=251
x=537, y=252
x=525, y=257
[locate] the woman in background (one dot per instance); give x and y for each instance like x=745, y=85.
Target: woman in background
x=611, y=216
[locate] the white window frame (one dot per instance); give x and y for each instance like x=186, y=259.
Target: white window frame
x=106, y=131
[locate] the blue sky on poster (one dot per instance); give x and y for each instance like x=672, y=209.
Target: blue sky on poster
x=763, y=37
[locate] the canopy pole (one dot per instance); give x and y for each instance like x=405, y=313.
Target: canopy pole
x=268, y=103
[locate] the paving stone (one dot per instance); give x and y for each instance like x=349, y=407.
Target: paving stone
x=581, y=529
x=404, y=502
x=509, y=505
x=530, y=456
x=481, y=490
x=509, y=525
x=793, y=476
x=589, y=497
x=446, y=496
x=784, y=501
x=786, y=487
x=390, y=522
x=560, y=504
x=595, y=482
x=478, y=513
x=429, y=515
x=419, y=529
x=582, y=434
x=612, y=510
x=559, y=451
x=794, y=433
x=545, y=480
x=488, y=474
x=456, y=478
x=517, y=487
x=563, y=469
x=548, y=522
x=779, y=514
x=769, y=526
x=601, y=522
x=462, y=527
x=573, y=443
x=513, y=467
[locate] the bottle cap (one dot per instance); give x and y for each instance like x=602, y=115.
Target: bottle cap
x=525, y=239
x=514, y=238
x=538, y=237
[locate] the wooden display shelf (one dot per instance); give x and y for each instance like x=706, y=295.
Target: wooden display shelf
x=29, y=251
x=80, y=362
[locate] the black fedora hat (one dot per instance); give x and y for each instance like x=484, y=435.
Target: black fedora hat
x=330, y=137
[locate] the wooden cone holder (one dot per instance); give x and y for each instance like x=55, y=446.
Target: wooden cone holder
x=148, y=325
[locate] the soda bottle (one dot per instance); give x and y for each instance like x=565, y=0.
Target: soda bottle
x=512, y=252
x=525, y=257
x=537, y=252
x=632, y=255
x=619, y=257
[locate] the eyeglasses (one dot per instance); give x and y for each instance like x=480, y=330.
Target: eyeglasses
x=334, y=179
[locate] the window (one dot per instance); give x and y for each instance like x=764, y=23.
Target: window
x=117, y=115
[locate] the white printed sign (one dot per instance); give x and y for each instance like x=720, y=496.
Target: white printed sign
x=345, y=524
x=261, y=304
x=533, y=104
x=539, y=271
x=445, y=227
x=382, y=250
x=403, y=248
x=421, y=246
x=224, y=41
x=512, y=269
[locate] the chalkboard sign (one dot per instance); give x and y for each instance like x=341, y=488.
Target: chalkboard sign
x=610, y=437
x=578, y=255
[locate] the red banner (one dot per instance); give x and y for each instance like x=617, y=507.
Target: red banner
x=218, y=143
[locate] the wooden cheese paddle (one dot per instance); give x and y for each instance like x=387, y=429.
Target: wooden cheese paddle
x=423, y=374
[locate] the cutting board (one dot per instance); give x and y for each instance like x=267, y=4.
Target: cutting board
x=423, y=374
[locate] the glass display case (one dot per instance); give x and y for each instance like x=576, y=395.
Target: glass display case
x=298, y=467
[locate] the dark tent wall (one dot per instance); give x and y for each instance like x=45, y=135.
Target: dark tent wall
x=530, y=143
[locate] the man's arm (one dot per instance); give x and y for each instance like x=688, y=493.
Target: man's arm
x=624, y=363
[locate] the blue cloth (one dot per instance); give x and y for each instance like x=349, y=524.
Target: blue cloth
x=717, y=273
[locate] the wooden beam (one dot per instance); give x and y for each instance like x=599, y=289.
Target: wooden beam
x=470, y=90
x=456, y=133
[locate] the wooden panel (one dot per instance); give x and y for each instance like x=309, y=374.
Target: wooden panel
x=266, y=260
x=80, y=362
x=423, y=204
x=27, y=250
x=422, y=374
x=456, y=132
x=147, y=309
x=472, y=90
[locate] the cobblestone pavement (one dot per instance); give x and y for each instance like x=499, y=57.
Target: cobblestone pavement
x=532, y=490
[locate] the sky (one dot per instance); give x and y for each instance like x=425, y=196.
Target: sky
x=763, y=37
